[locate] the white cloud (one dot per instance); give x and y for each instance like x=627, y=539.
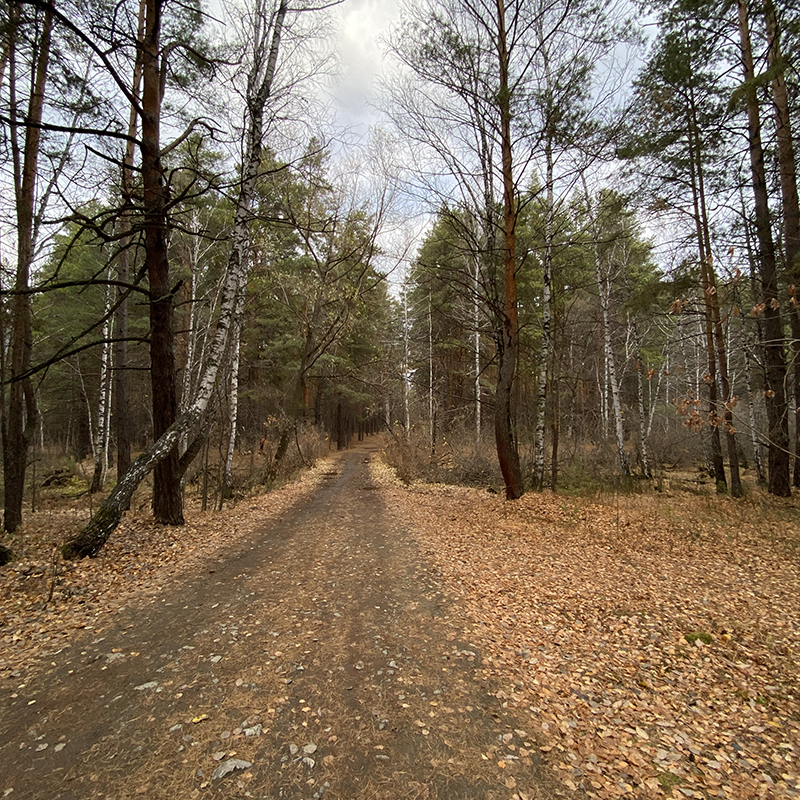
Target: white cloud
x=359, y=26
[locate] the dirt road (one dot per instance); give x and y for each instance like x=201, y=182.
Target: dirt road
x=313, y=657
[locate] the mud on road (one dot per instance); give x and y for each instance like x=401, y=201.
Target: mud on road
x=318, y=649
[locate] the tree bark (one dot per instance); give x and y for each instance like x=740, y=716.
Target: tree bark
x=547, y=355
x=646, y=471
x=233, y=403
x=121, y=394
x=102, y=429
x=790, y=206
x=712, y=305
x=775, y=362
x=21, y=412
x=604, y=291
x=704, y=253
x=167, y=495
x=507, y=452
x=92, y=538
x=727, y=398
x=547, y=337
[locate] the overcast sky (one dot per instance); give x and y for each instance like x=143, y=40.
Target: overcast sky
x=359, y=26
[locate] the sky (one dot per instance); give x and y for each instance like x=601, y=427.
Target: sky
x=359, y=26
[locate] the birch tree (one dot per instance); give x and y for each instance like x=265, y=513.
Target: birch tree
x=265, y=31
x=603, y=279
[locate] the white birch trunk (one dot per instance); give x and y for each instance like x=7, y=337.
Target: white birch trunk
x=406, y=357
x=602, y=388
x=430, y=376
x=640, y=398
x=654, y=396
x=477, y=345
x=102, y=429
x=191, y=345
x=267, y=38
x=233, y=401
x=755, y=439
x=604, y=290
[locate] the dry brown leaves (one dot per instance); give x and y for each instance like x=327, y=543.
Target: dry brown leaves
x=45, y=600
x=653, y=639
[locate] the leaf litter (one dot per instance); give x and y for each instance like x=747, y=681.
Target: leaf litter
x=141, y=560
x=652, y=639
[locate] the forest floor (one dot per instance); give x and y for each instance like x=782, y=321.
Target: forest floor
x=350, y=637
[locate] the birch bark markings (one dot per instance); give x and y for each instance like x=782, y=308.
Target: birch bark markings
x=101, y=440
x=604, y=290
x=233, y=402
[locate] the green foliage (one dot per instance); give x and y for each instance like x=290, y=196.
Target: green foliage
x=69, y=330
x=317, y=310
x=695, y=636
x=668, y=779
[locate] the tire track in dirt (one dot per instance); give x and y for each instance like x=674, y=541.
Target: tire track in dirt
x=319, y=649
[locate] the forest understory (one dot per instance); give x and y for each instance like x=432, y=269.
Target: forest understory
x=650, y=639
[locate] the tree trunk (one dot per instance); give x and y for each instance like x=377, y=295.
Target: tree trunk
x=21, y=412
x=751, y=415
x=775, y=362
x=712, y=306
x=233, y=403
x=431, y=428
x=547, y=339
x=704, y=253
x=92, y=538
x=507, y=452
x=102, y=429
x=790, y=206
x=643, y=426
x=406, y=366
x=121, y=394
x=727, y=399
x=555, y=417
x=604, y=290
x=167, y=495
x=477, y=348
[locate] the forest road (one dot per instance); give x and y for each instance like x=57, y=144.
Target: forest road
x=318, y=649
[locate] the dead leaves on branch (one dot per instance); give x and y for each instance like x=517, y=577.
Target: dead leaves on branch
x=653, y=640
